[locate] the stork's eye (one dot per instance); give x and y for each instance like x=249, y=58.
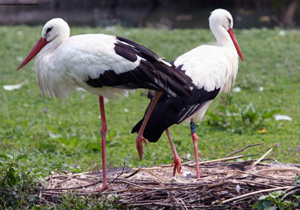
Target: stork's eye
x=229, y=22
x=48, y=30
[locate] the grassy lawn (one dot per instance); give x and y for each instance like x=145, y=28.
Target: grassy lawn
x=63, y=135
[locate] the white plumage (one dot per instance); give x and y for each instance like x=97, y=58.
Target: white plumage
x=63, y=62
x=212, y=69
x=209, y=67
x=102, y=64
x=213, y=66
x=77, y=59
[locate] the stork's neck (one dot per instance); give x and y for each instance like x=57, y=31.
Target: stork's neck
x=54, y=44
x=222, y=36
x=48, y=52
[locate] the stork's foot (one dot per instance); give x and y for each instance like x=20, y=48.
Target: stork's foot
x=177, y=165
x=102, y=188
x=139, y=145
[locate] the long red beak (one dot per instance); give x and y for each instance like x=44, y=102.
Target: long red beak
x=236, y=44
x=35, y=50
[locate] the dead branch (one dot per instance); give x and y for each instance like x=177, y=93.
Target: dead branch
x=242, y=149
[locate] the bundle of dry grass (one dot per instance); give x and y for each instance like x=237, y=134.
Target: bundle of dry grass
x=224, y=183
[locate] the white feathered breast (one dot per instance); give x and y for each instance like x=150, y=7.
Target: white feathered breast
x=210, y=67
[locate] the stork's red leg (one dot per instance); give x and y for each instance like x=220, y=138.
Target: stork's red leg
x=176, y=162
x=140, y=138
x=103, y=132
x=195, y=142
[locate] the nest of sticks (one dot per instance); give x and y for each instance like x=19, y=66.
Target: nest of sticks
x=224, y=183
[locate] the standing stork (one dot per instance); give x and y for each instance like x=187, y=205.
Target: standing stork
x=212, y=70
x=103, y=65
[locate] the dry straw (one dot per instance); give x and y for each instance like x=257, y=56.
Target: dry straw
x=228, y=182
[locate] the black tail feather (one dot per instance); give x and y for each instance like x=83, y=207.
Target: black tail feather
x=170, y=111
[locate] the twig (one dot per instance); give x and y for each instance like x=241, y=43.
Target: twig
x=262, y=157
x=242, y=149
x=292, y=191
x=73, y=188
x=277, y=169
x=132, y=174
x=180, y=201
x=216, y=184
x=255, y=183
x=151, y=173
x=256, y=192
x=98, y=192
x=84, y=186
x=131, y=183
x=221, y=159
x=294, y=188
x=186, y=159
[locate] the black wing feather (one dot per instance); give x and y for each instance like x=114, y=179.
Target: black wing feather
x=150, y=74
x=140, y=48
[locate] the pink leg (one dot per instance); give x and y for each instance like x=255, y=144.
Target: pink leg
x=195, y=142
x=103, y=131
x=140, y=138
x=176, y=161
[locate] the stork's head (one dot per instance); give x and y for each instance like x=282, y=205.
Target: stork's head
x=55, y=31
x=56, y=28
x=221, y=17
x=221, y=20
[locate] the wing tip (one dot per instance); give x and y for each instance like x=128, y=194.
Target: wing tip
x=162, y=60
x=137, y=127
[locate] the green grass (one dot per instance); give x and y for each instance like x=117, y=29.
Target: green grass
x=27, y=118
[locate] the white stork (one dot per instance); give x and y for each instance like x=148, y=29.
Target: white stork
x=212, y=69
x=104, y=65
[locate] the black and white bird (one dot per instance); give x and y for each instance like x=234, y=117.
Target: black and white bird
x=212, y=69
x=103, y=65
